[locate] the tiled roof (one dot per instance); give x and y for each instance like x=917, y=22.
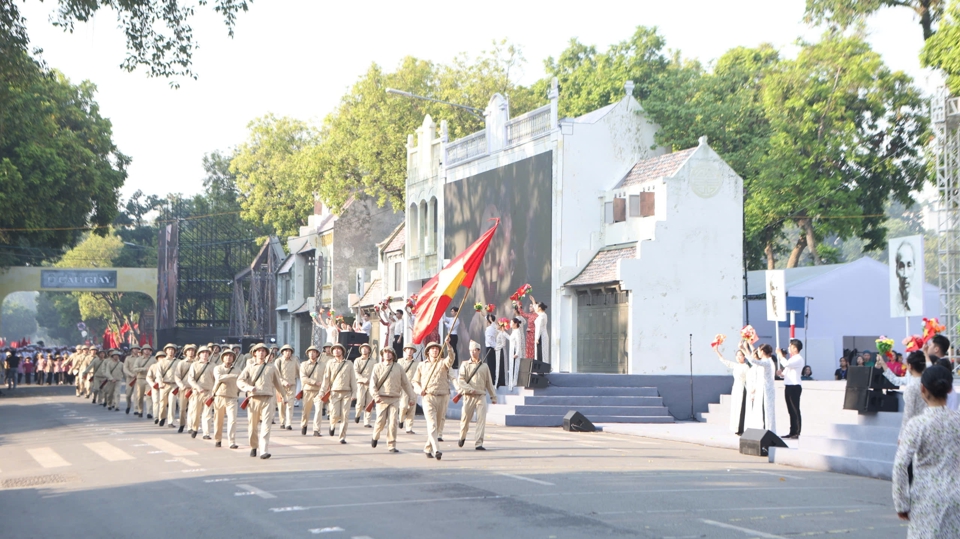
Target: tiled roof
x=603, y=267
x=398, y=241
x=655, y=168
x=371, y=296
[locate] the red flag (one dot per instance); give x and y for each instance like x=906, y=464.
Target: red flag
x=125, y=328
x=433, y=298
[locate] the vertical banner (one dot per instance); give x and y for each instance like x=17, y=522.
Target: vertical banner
x=906, y=276
x=776, y=291
x=167, y=257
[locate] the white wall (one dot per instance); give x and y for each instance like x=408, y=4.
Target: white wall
x=689, y=279
x=852, y=300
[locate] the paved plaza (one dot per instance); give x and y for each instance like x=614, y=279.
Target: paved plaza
x=68, y=468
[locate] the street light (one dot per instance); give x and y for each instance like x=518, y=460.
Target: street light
x=472, y=110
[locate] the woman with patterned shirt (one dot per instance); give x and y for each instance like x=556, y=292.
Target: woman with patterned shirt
x=931, y=441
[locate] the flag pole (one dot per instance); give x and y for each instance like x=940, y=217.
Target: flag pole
x=455, y=318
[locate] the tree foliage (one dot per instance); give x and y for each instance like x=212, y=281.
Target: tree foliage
x=159, y=35
x=847, y=13
x=942, y=50
x=17, y=321
x=60, y=171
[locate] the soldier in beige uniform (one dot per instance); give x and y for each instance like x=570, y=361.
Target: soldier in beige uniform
x=289, y=368
x=142, y=387
x=475, y=383
x=200, y=378
x=94, y=380
x=340, y=379
x=409, y=365
x=153, y=381
x=261, y=381
x=225, y=392
x=180, y=378
x=130, y=374
x=83, y=385
x=70, y=366
x=432, y=382
x=364, y=367
x=386, y=384
x=165, y=379
x=311, y=376
x=112, y=372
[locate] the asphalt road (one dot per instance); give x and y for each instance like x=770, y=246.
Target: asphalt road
x=68, y=468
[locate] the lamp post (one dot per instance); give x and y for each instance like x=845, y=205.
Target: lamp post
x=472, y=110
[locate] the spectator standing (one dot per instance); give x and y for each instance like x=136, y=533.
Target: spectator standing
x=868, y=360
x=12, y=368
x=841, y=373
x=27, y=366
x=806, y=373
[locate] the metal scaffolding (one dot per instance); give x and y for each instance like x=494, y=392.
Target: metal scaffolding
x=254, y=312
x=945, y=121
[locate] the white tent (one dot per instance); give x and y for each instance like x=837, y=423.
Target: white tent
x=849, y=300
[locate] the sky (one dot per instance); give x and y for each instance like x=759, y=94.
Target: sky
x=298, y=57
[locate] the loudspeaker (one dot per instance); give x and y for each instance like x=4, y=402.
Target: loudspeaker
x=529, y=369
x=757, y=441
x=575, y=422
x=351, y=341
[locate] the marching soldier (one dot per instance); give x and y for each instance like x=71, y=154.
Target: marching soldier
x=475, y=383
x=261, y=382
x=340, y=381
x=200, y=378
x=112, y=371
x=364, y=367
x=311, y=376
x=180, y=378
x=130, y=374
x=83, y=388
x=214, y=353
x=432, y=382
x=89, y=373
x=225, y=393
x=165, y=382
x=153, y=381
x=386, y=383
x=142, y=387
x=409, y=365
x=289, y=368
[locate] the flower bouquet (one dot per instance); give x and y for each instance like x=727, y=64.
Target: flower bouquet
x=885, y=347
x=931, y=327
x=718, y=340
x=504, y=323
x=412, y=302
x=479, y=307
x=749, y=334
x=491, y=307
x=913, y=343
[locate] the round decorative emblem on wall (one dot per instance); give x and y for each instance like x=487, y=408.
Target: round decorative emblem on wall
x=705, y=180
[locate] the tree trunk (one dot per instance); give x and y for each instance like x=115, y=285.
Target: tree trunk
x=925, y=19
x=768, y=250
x=797, y=251
x=807, y=225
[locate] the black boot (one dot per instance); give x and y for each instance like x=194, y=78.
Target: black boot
x=162, y=421
x=193, y=434
x=373, y=442
x=128, y=410
x=217, y=444
x=460, y=442
x=303, y=431
x=253, y=452
x=180, y=430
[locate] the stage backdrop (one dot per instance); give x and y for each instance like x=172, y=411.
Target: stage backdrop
x=519, y=253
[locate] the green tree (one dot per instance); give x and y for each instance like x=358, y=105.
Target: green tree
x=17, y=321
x=942, y=50
x=590, y=79
x=847, y=13
x=159, y=36
x=58, y=314
x=60, y=172
x=272, y=173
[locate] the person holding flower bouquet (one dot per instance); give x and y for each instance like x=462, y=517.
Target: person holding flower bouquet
x=490, y=344
x=762, y=414
x=738, y=403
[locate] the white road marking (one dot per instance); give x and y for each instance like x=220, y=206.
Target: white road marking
x=47, y=457
x=390, y=502
x=747, y=531
x=184, y=461
x=254, y=490
x=109, y=452
x=728, y=509
x=327, y=530
x=169, y=447
x=522, y=478
x=220, y=480
x=361, y=537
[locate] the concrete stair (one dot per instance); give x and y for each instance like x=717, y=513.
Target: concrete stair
x=601, y=398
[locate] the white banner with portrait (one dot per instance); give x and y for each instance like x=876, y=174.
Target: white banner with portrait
x=776, y=296
x=906, y=276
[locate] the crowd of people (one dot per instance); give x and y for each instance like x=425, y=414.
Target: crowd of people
x=199, y=390
x=34, y=364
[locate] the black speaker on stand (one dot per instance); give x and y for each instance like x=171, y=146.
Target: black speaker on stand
x=757, y=442
x=532, y=374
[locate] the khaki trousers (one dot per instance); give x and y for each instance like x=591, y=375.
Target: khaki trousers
x=285, y=405
x=129, y=391
x=167, y=402
x=95, y=387
x=200, y=414
x=311, y=399
x=387, y=412
x=339, y=408
x=260, y=412
x=109, y=393
x=434, y=409
x=184, y=405
x=407, y=414
x=471, y=404
x=140, y=391
x=225, y=407
x=363, y=399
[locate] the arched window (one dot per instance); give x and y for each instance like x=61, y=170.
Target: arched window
x=423, y=227
x=413, y=226
x=432, y=226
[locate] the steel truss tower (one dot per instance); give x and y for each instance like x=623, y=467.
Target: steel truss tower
x=945, y=121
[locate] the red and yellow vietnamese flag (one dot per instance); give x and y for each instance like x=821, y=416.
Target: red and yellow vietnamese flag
x=434, y=297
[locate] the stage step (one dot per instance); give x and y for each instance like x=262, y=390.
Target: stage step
x=601, y=398
x=863, y=467
x=849, y=448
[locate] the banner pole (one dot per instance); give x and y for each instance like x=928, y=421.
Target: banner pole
x=454, y=323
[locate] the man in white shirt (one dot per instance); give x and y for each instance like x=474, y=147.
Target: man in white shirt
x=791, y=384
x=452, y=325
x=397, y=337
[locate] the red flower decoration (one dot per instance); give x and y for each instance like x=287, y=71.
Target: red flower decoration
x=491, y=307
x=718, y=340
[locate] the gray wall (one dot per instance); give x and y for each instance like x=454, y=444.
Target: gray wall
x=356, y=233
